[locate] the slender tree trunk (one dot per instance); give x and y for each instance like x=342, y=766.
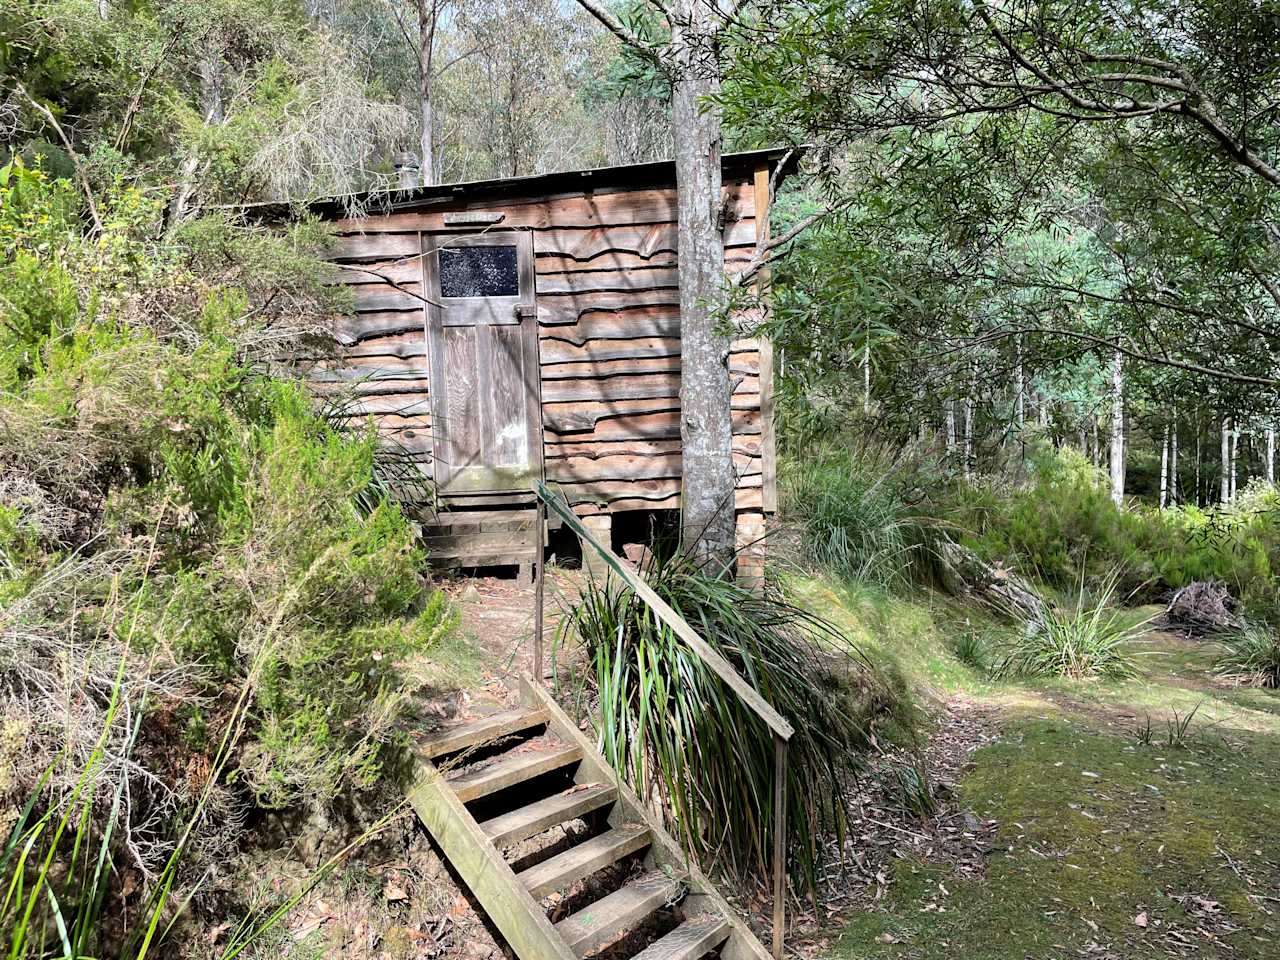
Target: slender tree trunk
x=1199, y=458
x=1117, y=429
x=1164, y=467
x=951, y=428
x=1020, y=400
x=707, y=486
x=428, y=16
x=968, y=428
x=1173, y=461
x=1235, y=449
x=1226, y=461
x=1271, y=455
x=866, y=376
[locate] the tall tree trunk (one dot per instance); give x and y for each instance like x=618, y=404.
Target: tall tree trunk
x=428, y=16
x=1235, y=449
x=951, y=429
x=866, y=377
x=707, y=485
x=1271, y=455
x=1226, y=461
x=1164, y=467
x=1199, y=457
x=1173, y=461
x=968, y=426
x=1020, y=400
x=1117, y=429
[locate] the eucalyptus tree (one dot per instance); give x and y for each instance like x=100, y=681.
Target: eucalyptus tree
x=1161, y=114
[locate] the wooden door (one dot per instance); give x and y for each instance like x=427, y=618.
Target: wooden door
x=482, y=339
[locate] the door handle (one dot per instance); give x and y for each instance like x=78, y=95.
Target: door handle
x=522, y=310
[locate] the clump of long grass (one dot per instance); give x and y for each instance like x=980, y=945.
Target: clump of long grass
x=680, y=736
x=1250, y=656
x=1089, y=638
x=856, y=521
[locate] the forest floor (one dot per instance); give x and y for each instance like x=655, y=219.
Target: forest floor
x=1112, y=820
x=1075, y=820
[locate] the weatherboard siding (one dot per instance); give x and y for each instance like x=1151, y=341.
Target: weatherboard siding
x=608, y=329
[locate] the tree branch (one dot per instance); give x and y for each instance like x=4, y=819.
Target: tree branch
x=71, y=151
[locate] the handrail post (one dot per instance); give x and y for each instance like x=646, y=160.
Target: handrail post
x=779, y=842
x=538, y=578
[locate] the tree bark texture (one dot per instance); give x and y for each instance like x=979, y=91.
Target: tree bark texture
x=1117, y=428
x=707, y=485
x=428, y=16
x=1226, y=461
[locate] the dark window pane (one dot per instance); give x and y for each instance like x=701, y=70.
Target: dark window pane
x=479, y=272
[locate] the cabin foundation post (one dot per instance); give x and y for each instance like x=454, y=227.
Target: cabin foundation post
x=600, y=525
x=750, y=543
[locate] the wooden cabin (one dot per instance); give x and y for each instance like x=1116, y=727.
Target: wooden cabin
x=509, y=329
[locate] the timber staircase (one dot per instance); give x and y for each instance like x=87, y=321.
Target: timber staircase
x=563, y=857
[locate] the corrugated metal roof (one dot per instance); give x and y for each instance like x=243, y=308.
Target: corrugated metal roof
x=632, y=176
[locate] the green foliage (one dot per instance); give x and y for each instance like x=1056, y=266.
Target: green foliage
x=970, y=648
x=1088, y=639
x=1251, y=656
x=851, y=504
x=1062, y=525
x=674, y=730
x=136, y=423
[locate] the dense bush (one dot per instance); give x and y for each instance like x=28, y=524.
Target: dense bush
x=153, y=472
x=1085, y=639
x=1062, y=524
x=1251, y=656
x=853, y=509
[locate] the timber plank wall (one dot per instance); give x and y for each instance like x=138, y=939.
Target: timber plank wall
x=608, y=334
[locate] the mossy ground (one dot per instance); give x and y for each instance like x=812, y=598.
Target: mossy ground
x=1110, y=843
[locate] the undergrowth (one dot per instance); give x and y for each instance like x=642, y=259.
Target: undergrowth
x=153, y=458
x=678, y=733
x=1250, y=656
x=1085, y=639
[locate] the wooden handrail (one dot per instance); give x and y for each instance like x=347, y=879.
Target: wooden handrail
x=777, y=724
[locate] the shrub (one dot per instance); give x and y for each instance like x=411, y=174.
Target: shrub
x=334, y=593
x=1090, y=639
x=675, y=731
x=1063, y=526
x=853, y=514
x=1251, y=656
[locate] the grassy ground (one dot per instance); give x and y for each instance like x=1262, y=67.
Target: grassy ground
x=1118, y=835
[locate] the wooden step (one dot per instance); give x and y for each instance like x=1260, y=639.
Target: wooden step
x=586, y=858
x=601, y=922
x=468, y=546
x=475, y=732
x=531, y=820
x=511, y=770
x=689, y=941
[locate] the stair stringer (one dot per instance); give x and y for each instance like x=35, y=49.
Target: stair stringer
x=666, y=852
x=520, y=919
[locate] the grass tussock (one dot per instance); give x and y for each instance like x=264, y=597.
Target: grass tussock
x=677, y=733
x=1087, y=639
x=852, y=509
x=1251, y=656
